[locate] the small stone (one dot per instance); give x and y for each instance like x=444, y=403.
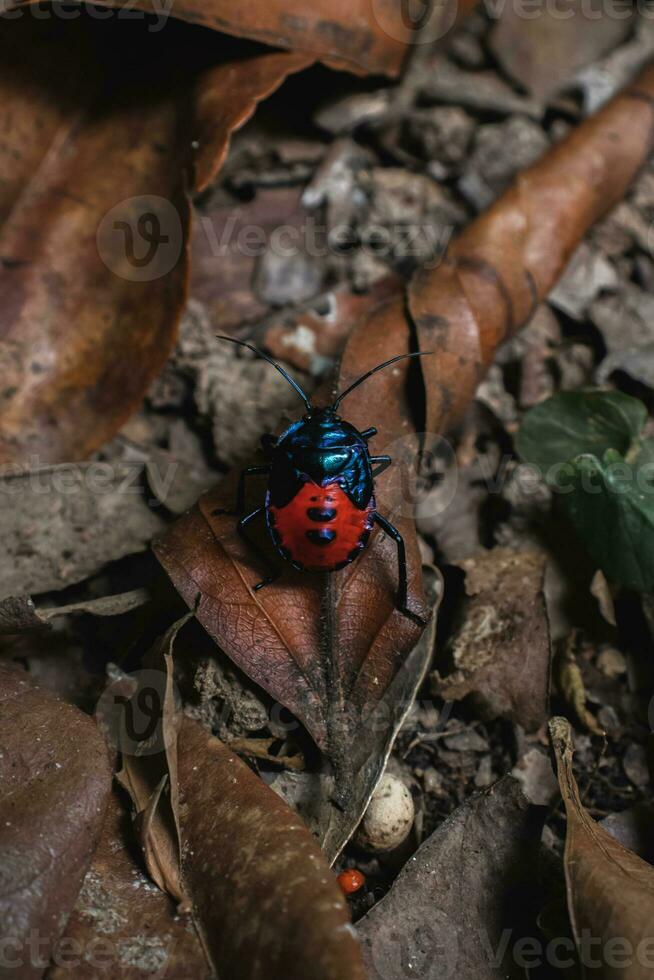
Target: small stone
x=388, y=820
x=602, y=79
x=635, y=765
x=467, y=50
x=575, y=363
x=493, y=394
x=346, y=114
x=611, y=662
x=543, y=53
x=484, y=775
x=534, y=771
x=500, y=151
x=442, y=134
x=446, y=82
x=608, y=720
x=624, y=318
x=587, y=275
x=291, y=278
x=432, y=782
x=632, y=828
x=466, y=741
x=429, y=717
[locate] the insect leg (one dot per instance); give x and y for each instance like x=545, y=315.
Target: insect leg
x=369, y=433
x=240, y=492
x=385, y=462
x=402, y=588
x=243, y=524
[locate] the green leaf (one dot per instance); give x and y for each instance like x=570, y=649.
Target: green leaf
x=611, y=504
x=576, y=422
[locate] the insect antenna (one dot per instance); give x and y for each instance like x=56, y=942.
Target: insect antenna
x=368, y=374
x=260, y=353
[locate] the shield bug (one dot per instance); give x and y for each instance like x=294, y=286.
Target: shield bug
x=320, y=504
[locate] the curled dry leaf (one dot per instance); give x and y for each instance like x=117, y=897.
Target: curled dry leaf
x=364, y=35
x=499, y=651
x=263, y=895
x=614, y=938
x=55, y=779
x=149, y=773
x=112, y=257
x=447, y=912
x=319, y=649
x=18, y=614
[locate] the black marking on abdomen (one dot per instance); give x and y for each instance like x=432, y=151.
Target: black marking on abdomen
x=322, y=536
x=321, y=514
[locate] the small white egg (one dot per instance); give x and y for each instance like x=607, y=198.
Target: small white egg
x=389, y=817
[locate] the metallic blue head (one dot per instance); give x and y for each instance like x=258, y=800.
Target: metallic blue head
x=323, y=448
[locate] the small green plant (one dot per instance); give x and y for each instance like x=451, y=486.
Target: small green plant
x=590, y=449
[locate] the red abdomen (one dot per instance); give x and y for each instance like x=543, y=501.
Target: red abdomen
x=320, y=529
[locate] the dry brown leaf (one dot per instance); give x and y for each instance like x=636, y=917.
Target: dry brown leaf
x=263, y=894
x=110, y=257
x=499, y=651
x=447, y=914
x=149, y=774
x=54, y=785
x=610, y=889
x=122, y=926
x=18, y=614
x=363, y=35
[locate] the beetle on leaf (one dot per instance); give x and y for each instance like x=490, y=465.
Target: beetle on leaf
x=320, y=503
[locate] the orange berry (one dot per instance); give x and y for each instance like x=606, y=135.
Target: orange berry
x=351, y=881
